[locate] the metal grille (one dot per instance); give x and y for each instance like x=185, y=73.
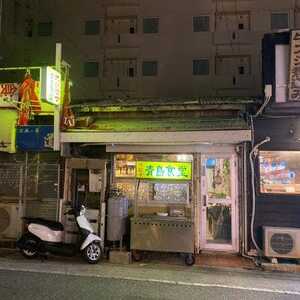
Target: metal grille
x=11, y=179
x=282, y=243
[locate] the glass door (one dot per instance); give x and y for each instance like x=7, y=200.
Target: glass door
x=218, y=216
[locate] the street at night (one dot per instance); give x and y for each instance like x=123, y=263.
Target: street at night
x=53, y=279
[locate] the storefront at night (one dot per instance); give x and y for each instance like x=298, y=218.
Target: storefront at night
x=182, y=172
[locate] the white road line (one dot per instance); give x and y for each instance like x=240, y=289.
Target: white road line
x=170, y=282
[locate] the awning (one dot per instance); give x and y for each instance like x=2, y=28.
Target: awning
x=158, y=137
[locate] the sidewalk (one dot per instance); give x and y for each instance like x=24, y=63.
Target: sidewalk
x=172, y=274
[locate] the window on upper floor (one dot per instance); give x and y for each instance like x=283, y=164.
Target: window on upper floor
x=279, y=21
x=232, y=21
x=151, y=25
x=150, y=68
x=45, y=28
x=29, y=27
x=91, y=69
x=92, y=27
x=201, y=23
x=236, y=65
x=121, y=25
x=120, y=68
x=201, y=67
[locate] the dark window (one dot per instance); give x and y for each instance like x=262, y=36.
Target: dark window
x=279, y=21
x=92, y=27
x=151, y=25
x=200, y=67
x=45, y=29
x=29, y=24
x=91, y=69
x=241, y=26
x=131, y=72
x=241, y=70
x=132, y=29
x=201, y=23
x=150, y=68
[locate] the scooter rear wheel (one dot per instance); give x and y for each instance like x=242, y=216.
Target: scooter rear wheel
x=92, y=253
x=30, y=248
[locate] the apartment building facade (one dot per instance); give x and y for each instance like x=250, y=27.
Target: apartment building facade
x=137, y=48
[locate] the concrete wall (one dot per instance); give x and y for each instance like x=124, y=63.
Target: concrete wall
x=226, y=45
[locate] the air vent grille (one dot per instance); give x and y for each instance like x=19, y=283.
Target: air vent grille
x=282, y=243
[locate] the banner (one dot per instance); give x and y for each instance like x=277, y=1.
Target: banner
x=294, y=80
x=9, y=94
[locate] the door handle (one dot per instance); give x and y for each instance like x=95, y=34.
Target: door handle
x=204, y=200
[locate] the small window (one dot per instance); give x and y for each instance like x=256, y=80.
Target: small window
x=45, y=28
x=91, y=69
x=151, y=25
x=29, y=24
x=200, y=67
x=201, y=23
x=92, y=27
x=279, y=21
x=150, y=68
x=131, y=72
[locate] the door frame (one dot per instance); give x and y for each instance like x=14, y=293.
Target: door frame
x=234, y=246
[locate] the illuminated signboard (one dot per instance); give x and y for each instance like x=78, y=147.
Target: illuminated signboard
x=9, y=94
x=50, y=85
x=294, y=88
x=164, y=170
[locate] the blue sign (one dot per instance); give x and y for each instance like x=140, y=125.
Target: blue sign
x=35, y=138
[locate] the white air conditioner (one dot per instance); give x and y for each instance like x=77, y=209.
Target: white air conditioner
x=282, y=242
x=10, y=223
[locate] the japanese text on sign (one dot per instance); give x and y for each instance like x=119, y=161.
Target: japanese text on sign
x=8, y=94
x=294, y=84
x=164, y=170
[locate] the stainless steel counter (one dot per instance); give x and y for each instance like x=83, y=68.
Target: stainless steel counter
x=156, y=233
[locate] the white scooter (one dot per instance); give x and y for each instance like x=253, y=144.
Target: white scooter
x=44, y=236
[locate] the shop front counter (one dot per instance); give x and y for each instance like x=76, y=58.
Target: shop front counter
x=164, y=234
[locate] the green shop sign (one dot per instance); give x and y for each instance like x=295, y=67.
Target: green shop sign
x=164, y=170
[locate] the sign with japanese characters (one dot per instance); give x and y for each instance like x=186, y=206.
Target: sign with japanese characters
x=9, y=94
x=164, y=170
x=294, y=82
x=50, y=85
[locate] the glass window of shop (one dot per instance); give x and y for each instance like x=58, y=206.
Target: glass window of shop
x=163, y=180
x=279, y=172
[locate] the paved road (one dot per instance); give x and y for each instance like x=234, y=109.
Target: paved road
x=33, y=285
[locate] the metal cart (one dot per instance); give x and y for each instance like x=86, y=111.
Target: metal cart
x=161, y=233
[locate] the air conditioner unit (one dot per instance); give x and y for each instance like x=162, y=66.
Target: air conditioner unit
x=10, y=223
x=282, y=242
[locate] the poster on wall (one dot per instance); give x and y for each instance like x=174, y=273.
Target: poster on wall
x=9, y=94
x=279, y=172
x=294, y=80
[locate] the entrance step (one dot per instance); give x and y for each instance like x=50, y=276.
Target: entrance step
x=119, y=257
x=223, y=260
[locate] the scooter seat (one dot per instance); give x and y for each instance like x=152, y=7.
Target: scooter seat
x=53, y=225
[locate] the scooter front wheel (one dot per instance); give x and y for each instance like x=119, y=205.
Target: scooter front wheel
x=29, y=249
x=92, y=253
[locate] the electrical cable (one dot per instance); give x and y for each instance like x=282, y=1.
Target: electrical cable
x=252, y=156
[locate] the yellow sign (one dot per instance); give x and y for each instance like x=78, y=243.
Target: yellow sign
x=164, y=170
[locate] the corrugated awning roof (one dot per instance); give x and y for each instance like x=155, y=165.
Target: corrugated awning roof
x=166, y=124
x=150, y=103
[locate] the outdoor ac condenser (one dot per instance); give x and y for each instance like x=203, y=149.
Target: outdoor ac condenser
x=9, y=221
x=282, y=242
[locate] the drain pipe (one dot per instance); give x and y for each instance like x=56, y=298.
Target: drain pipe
x=253, y=155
